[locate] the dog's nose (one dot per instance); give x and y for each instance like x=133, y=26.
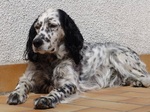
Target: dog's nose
x=37, y=42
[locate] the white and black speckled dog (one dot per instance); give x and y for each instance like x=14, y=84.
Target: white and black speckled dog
x=62, y=64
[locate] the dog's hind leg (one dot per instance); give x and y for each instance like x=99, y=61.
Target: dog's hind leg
x=132, y=69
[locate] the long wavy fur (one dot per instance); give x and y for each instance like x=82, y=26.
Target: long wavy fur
x=29, y=54
x=73, y=38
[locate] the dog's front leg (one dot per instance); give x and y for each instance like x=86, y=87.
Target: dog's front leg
x=55, y=96
x=65, y=81
x=24, y=86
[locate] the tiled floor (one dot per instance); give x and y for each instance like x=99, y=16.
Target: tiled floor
x=118, y=99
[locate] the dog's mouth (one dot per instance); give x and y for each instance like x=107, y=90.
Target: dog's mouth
x=43, y=51
x=38, y=50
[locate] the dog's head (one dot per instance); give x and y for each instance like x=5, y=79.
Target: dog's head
x=51, y=29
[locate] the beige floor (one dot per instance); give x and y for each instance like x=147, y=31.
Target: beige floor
x=119, y=99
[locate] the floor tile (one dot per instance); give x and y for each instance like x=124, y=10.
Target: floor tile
x=68, y=108
x=96, y=110
x=142, y=109
x=103, y=97
x=139, y=101
x=113, y=90
x=44, y=110
x=77, y=100
x=34, y=96
x=135, y=94
x=28, y=104
x=134, y=89
x=107, y=105
x=12, y=108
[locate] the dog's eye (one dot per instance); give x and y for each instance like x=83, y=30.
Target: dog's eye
x=52, y=25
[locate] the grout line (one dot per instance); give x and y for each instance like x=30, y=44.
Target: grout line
x=112, y=101
x=97, y=107
x=81, y=109
x=139, y=108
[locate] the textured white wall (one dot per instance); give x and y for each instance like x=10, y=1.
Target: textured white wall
x=122, y=21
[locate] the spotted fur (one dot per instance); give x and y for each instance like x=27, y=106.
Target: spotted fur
x=61, y=64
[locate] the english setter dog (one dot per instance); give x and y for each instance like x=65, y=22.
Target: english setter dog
x=62, y=64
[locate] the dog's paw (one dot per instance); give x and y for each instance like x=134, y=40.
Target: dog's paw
x=137, y=83
x=15, y=98
x=43, y=103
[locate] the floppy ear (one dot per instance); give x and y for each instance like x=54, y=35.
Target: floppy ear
x=73, y=37
x=29, y=54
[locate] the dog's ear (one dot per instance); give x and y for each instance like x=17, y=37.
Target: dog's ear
x=29, y=54
x=73, y=37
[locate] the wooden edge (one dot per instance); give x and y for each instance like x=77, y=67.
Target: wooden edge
x=146, y=59
x=9, y=76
